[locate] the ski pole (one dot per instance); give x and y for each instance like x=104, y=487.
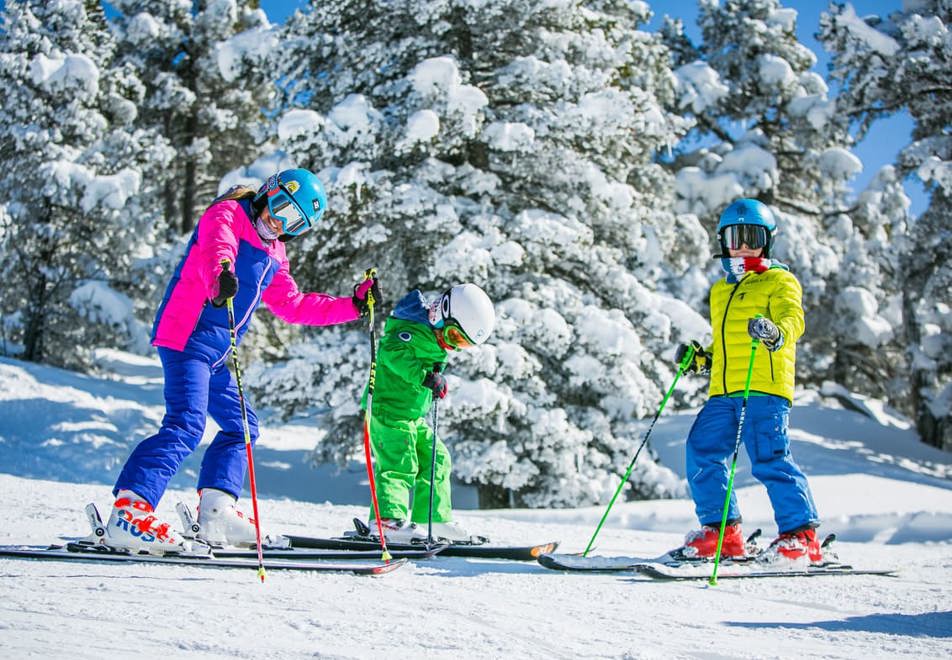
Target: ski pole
x=429, y=521
x=226, y=265
x=368, y=455
x=730, y=481
x=682, y=367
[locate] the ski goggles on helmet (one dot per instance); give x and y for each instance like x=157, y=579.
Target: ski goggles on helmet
x=733, y=237
x=455, y=337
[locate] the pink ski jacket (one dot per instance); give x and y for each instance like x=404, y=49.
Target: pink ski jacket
x=186, y=319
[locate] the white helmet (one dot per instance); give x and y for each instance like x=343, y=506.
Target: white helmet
x=467, y=307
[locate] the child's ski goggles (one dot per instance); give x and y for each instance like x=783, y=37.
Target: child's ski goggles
x=733, y=237
x=455, y=337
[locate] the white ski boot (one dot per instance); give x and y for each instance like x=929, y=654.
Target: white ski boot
x=398, y=531
x=220, y=523
x=133, y=526
x=452, y=532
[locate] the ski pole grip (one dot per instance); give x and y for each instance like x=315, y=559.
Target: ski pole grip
x=687, y=359
x=755, y=340
x=370, y=274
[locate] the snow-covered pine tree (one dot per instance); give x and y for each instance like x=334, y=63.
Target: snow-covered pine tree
x=71, y=160
x=206, y=89
x=765, y=128
x=512, y=144
x=871, y=355
x=904, y=62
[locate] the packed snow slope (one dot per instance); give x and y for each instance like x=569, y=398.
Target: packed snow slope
x=63, y=437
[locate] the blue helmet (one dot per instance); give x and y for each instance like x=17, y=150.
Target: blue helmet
x=296, y=198
x=757, y=221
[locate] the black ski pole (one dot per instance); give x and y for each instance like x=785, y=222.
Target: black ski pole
x=682, y=367
x=429, y=524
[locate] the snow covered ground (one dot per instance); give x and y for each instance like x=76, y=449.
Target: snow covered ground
x=63, y=437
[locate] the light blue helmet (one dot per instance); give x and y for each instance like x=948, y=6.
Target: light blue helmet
x=751, y=213
x=296, y=198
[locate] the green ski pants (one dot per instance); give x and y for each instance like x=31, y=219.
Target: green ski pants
x=402, y=451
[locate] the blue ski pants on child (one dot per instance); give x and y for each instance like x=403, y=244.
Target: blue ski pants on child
x=193, y=387
x=710, y=447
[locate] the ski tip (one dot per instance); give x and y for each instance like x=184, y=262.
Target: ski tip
x=382, y=569
x=544, y=549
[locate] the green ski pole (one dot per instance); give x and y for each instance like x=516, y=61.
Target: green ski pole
x=682, y=366
x=730, y=481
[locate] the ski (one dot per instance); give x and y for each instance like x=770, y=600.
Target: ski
x=562, y=562
x=662, y=572
x=614, y=564
x=80, y=552
x=299, y=554
x=473, y=550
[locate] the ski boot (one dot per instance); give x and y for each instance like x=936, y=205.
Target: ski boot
x=448, y=532
x=701, y=544
x=220, y=523
x=395, y=530
x=799, y=547
x=134, y=527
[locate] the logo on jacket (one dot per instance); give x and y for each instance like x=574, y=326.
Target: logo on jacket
x=405, y=336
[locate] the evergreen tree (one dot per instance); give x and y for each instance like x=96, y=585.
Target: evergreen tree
x=511, y=144
x=71, y=159
x=205, y=91
x=904, y=62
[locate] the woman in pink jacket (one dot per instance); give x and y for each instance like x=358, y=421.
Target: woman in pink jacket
x=236, y=251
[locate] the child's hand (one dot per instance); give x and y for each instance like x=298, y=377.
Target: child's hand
x=437, y=384
x=700, y=361
x=766, y=331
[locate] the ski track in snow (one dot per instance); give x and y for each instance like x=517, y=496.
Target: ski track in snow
x=891, y=512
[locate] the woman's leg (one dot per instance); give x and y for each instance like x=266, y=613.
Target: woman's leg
x=156, y=459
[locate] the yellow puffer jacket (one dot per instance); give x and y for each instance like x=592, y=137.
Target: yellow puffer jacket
x=777, y=295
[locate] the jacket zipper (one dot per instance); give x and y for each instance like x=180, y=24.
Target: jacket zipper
x=724, y=333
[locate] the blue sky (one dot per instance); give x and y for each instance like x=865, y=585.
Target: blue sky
x=880, y=146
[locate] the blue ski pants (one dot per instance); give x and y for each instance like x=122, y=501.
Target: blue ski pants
x=710, y=447
x=193, y=388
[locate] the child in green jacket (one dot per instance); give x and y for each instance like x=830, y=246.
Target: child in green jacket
x=410, y=364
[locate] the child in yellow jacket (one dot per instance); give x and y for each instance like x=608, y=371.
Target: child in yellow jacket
x=759, y=298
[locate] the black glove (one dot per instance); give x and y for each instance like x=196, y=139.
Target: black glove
x=227, y=288
x=766, y=331
x=437, y=384
x=361, y=289
x=700, y=363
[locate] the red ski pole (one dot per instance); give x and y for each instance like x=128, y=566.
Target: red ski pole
x=368, y=454
x=244, y=424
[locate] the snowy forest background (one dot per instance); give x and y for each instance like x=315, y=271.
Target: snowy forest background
x=557, y=153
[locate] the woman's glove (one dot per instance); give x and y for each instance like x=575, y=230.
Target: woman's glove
x=227, y=287
x=361, y=289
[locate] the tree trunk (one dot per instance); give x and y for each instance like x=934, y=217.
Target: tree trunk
x=191, y=171
x=35, y=321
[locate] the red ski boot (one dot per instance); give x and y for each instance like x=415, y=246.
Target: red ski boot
x=799, y=547
x=702, y=544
